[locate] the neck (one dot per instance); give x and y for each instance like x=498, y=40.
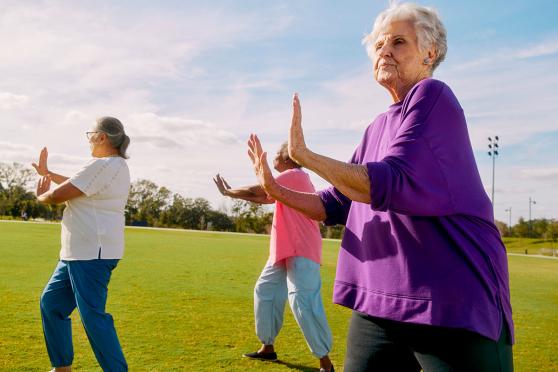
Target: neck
x=399, y=91
x=105, y=152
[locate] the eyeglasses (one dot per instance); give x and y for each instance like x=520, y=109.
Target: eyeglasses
x=90, y=134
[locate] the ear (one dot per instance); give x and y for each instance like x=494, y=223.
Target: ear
x=430, y=56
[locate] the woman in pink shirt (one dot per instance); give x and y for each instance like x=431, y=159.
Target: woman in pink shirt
x=293, y=268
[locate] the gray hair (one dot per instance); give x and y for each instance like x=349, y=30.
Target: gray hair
x=114, y=130
x=428, y=26
x=284, y=152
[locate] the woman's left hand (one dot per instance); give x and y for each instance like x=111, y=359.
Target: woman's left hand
x=297, y=145
x=43, y=186
x=259, y=161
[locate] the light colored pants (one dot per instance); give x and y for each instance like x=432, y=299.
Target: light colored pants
x=298, y=279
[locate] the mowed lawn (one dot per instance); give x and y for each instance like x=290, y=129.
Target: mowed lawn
x=183, y=301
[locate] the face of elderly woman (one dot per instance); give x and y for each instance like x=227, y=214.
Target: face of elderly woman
x=398, y=62
x=96, y=141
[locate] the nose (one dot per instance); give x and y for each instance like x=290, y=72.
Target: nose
x=384, y=51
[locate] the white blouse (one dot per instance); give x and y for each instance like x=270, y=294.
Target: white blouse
x=93, y=224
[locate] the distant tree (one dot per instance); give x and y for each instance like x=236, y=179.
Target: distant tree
x=251, y=217
x=521, y=229
x=146, y=202
x=219, y=221
x=15, y=197
x=332, y=232
x=502, y=228
x=539, y=228
x=15, y=175
x=551, y=232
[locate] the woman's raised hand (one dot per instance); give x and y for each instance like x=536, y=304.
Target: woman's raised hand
x=42, y=168
x=43, y=185
x=222, y=185
x=259, y=161
x=297, y=146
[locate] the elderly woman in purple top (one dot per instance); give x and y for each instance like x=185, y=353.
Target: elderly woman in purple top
x=421, y=262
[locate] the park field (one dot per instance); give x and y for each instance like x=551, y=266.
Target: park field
x=182, y=300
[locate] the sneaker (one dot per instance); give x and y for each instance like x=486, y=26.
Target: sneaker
x=323, y=370
x=261, y=356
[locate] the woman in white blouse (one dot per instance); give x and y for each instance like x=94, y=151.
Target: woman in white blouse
x=92, y=244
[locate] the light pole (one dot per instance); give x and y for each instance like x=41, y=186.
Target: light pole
x=493, y=153
x=531, y=202
x=510, y=226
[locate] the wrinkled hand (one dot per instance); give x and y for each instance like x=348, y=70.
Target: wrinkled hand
x=43, y=186
x=259, y=161
x=222, y=185
x=42, y=168
x=297, y=146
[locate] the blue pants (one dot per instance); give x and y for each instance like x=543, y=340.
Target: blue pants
x=81, y=284
x=298, y=279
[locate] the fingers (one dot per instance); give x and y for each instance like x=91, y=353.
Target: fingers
x=35, y=166
x=226, y=183
x=43, y=185
x=43, y=156
x=254, y=148
x=297, y=112
x=251, y=155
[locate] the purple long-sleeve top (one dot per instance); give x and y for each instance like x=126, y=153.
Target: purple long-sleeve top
x=426, y=250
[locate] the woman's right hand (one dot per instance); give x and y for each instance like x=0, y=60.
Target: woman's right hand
x=297, y=145
x=259, y=161
x=222, y=185
x=42, y=168
x=43, y=186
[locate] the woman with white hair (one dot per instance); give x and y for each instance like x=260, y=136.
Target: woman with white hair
x=421, y=262
x=92, y=245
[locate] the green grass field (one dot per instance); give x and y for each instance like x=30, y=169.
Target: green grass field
x=183, y=301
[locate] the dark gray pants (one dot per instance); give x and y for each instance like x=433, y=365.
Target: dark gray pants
x=375, y=344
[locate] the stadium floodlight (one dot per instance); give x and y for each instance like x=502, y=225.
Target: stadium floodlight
x=509, y=210
x=493, y=149
x=531, y=202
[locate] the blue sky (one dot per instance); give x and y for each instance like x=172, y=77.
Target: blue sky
x=190, y=80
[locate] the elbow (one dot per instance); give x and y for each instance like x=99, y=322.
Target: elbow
x=320, y=216
x=56, y=198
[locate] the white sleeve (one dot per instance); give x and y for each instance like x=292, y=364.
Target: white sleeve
x=93, y=177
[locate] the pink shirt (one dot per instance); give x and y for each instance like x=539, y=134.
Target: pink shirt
x=292, y=233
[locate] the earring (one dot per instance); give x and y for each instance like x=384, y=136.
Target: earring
x=426, y=61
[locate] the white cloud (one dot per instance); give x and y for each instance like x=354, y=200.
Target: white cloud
x=542, y=49
x=10, y=101
x=550, y=173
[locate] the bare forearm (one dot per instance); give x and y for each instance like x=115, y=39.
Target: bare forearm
x=351, y=179
x=46, y=198
x=57, y=178
x=254, y=194
x=255, y=199
x=308, y=204
x=242, y=192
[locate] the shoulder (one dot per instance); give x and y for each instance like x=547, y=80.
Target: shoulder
x=98, y=166
x=427, y=89
x=426, y=94
x=293, y=174
x=295, y=179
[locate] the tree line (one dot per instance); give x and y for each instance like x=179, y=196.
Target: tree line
x=152, y=205
x=148, y=205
